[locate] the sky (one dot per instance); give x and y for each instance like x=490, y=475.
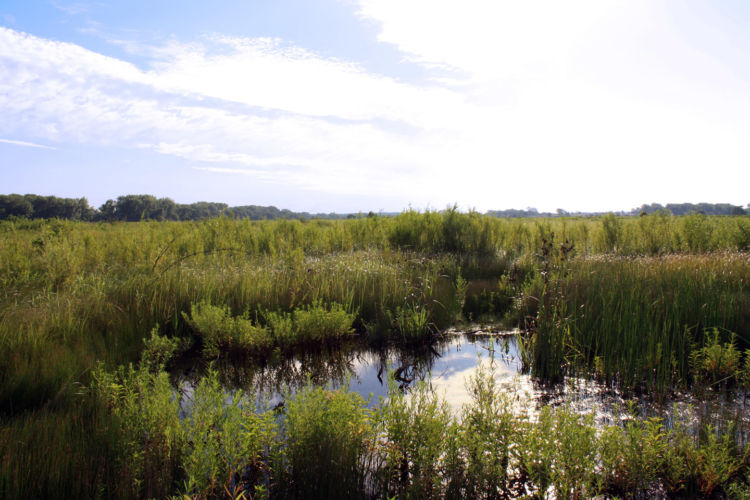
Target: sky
x=382, y=105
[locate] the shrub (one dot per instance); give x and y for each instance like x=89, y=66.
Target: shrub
x=220, y=331
x=696, y=232
x=488, y=437
x=158, y=349
x=412, y=322
x=559, y=451
x=718, y=461
x=226, y=441
x=716, y=362
x=633, y=456
x=326, y=449
x=147, y=412
x=416, y=431
x=318, y=323
x=611, y=232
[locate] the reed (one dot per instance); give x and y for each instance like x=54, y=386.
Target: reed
x=637, y=320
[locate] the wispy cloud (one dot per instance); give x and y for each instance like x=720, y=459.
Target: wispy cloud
x=26, y=144
x=72, y=8
x=527, y=101
x=62, y=92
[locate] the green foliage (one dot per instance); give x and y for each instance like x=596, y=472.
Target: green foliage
x=697, y=231
x=318, y=323
x=158, y=349
x=740, y=490
x=744, y=374
x=560, y=452
x=326, y=443
x=45, y=207
x=635, y=321
x=716, y=362
x=328, y=437
x=657, y=233
x=147, y=414
x=220, y=331
x=741, y=235
x=633, y=456
x=488, y=436
x=416, y=429
x=226, y=443
x=312, y=323
x=718, y=461
x=412, y=322
x=612, y=228
x=73, y=294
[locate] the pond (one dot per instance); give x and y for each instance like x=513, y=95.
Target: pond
x=448, y=364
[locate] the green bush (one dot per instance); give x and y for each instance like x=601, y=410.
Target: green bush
x=226, y=443
x=412, y=322
x=716, y=362
x=221, y=331
x=697, y=231
x=318, y=323
x=612, y=228
x=327, y=446
x=146, y=411
x=559, y=451
x=488, y=437
x=158, y=349
x=417, y=430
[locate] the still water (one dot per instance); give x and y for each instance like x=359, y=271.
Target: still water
x=447, y=366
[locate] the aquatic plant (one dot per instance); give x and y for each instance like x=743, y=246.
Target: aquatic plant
x=636, y=320
x=75, y=294
x=715, y=362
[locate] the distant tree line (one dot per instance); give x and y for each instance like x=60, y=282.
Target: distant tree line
x=45, y=207
x=689, y=208
x=673, y=208
x=135, y=207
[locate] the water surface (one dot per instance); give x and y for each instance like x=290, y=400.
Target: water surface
x=447, y=366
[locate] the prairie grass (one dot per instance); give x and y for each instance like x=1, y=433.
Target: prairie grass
x=76, y=295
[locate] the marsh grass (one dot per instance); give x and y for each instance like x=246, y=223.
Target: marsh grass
x=73, y=295
x=215, y=443
x=636, y=320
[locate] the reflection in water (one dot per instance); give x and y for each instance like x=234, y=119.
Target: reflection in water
x=447, y=365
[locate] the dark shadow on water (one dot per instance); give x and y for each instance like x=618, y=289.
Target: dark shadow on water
x=446, y=366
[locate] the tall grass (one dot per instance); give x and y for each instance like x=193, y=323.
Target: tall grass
x=637, y=320
x=73, y=295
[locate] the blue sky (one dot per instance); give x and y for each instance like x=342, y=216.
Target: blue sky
x=349, y=105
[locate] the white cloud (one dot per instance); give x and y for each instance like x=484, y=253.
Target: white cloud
x=62, y=92
x=598, y=105
x=25, y=144
x=584, y=92
x=266, y=73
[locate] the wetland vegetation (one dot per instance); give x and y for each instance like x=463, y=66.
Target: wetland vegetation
x=99, y=322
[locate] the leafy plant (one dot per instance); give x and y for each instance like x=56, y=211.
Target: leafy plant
x=226, y=442
x=416, y=429
x=716, y=362
x=328, y=439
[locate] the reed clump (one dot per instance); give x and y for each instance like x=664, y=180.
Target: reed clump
x=637, y=320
